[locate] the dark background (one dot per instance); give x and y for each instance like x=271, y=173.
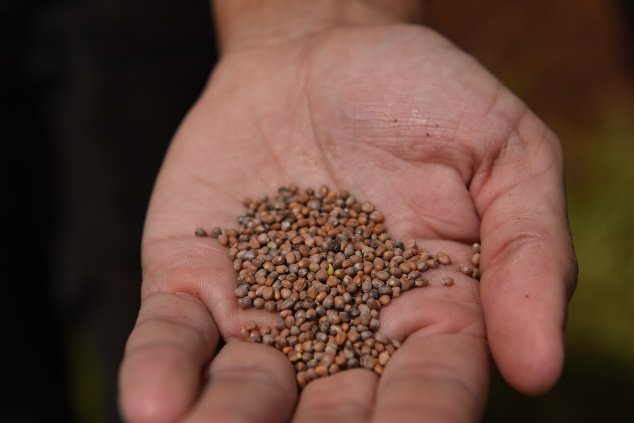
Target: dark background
x=92, y=93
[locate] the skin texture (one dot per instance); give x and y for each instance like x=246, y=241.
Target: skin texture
x=394, y=114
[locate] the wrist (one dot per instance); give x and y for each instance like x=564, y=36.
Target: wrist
x=243, y=23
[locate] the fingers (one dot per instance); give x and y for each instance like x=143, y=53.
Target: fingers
x=437, y=378
x=527, y=260
x=343, y=397
x=247, y=383
x=160, y=375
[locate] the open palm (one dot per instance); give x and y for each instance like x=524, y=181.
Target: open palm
x=395, y=115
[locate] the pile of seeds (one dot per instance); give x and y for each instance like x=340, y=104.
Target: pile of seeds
x=325, y=263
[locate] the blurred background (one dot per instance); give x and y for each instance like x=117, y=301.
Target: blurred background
x=92, y=93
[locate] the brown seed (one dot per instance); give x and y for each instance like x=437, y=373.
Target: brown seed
x=378, y=369
x=443, y=258
x=376, y=216
x=245, y=302
x=373, y=304
x=200, y=232
x=328, y=302
x=367, y=207
x=420, y=281
x=339, y=302
x=475, y=259
x=241, y=291
x=467, y=270
x=268, y=293
x=447, y=281
x=367, y=361
x=383, y=358
x=321, y=275
x=326, y=264
x=321, y=371
x=290, y=258
x=340, y=338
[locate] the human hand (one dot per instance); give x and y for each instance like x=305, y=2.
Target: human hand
x=396, y=115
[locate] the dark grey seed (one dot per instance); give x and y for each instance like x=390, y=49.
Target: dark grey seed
x=413, y=274
x=352, y=363
x=288, y=304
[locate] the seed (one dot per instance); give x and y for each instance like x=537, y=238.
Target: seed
x=352, y=363
x=420, y=281
x=475, y=259
x=376, y=216
x=241, y=291
x=443, y=258
x=245, y=302
x=367, y=361
x=475, y=248
x=383, y=275
x=340, y=338
x=383, y=358
x=321, y=371
x=467, y=270
x=327, y=265
x=447, y=281
x=200, y=232
x=321, y=275
x=367, y=207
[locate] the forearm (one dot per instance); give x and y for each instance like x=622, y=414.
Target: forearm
x=247, y=22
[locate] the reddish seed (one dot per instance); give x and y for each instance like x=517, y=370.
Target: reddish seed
x=325, y=263
x=443, y=258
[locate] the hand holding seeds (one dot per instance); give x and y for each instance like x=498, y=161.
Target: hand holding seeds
x=326, y=264
x=356, y=288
